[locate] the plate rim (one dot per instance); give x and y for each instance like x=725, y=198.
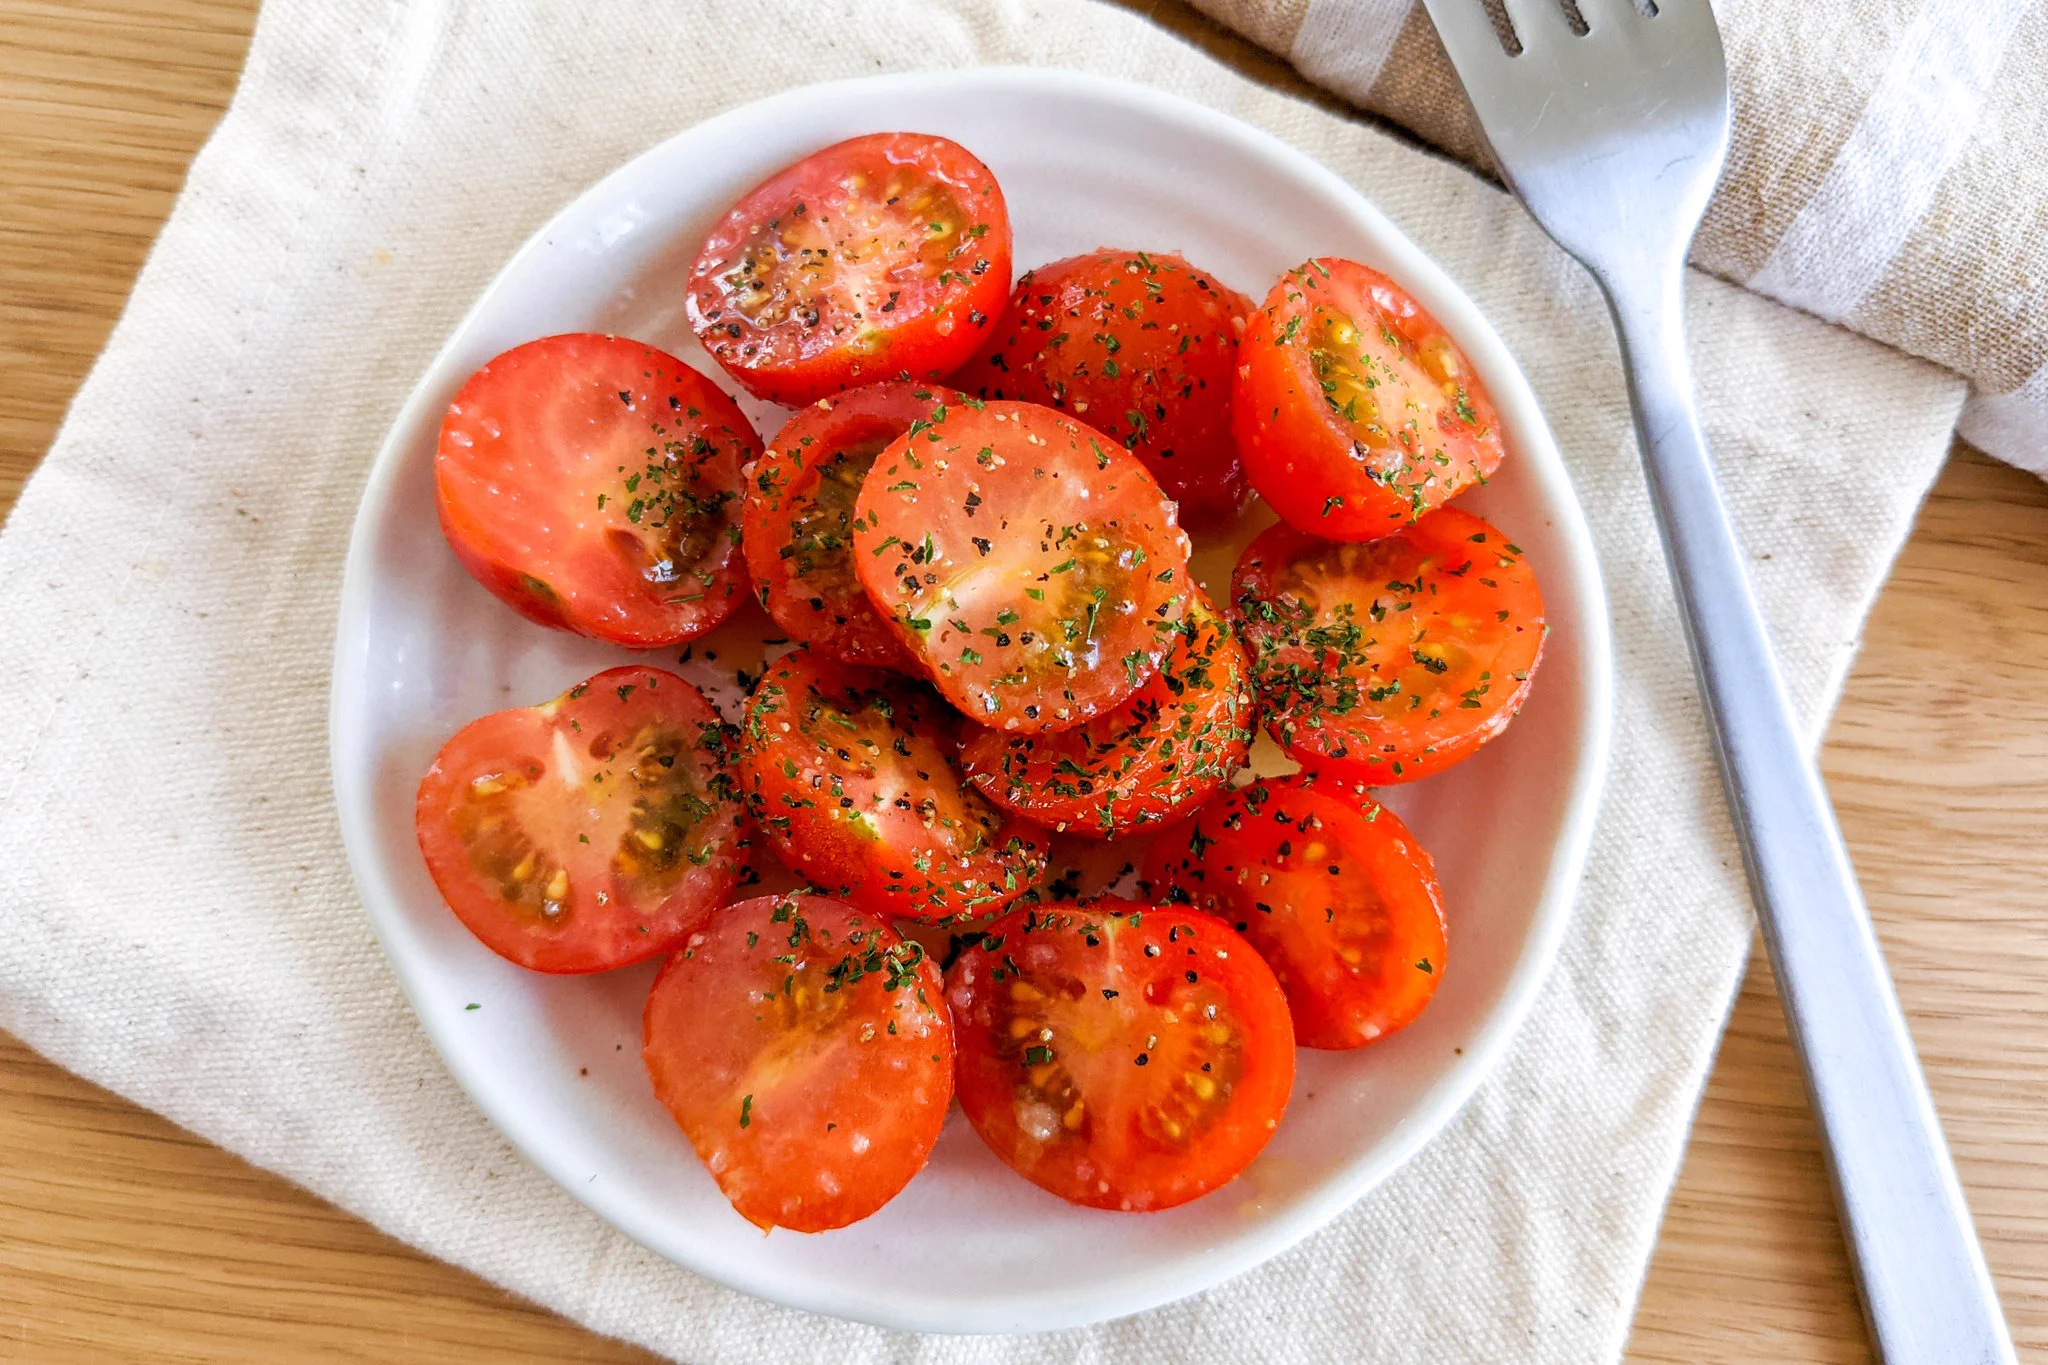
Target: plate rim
x=1146, y=1287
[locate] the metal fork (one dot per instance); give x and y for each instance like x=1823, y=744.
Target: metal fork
x=1612, y=131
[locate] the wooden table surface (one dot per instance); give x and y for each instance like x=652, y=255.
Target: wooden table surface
x=124, y=1238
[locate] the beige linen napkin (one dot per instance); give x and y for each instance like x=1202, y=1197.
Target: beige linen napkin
x=179, y=924
x=1888, y=170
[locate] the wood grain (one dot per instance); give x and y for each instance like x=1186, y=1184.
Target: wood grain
x=124, y=1239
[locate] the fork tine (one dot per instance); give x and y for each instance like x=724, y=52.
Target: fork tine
x=1604, y=14
x=1538, y=21
x=1469, y=38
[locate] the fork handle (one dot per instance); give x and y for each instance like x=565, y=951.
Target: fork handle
x=1927, y=1294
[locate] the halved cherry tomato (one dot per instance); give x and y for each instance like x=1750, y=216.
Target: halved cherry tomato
x=881, y=256
x=591, y=482
x=1392, y=659
x=1333, y=891
x=1153, y=759
x=1029, y=562
x=1142, y=346
x=1355, y=411
x=803, y=1047
x=799, y=503
x=588, y=832
x=1119, y=1056
x=850, y=774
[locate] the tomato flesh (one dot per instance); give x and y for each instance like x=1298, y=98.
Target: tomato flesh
x=592, y=483
x=589, y=832
x=1354, y=409
x=1029, y=563
x=1391, y=659
x=1333, y=891
x=878, y=257
x=850, y=774
x=1118, y=1056
x=804, y=1049
x=1162, y=753
x=1141, y=345
x=798, y=512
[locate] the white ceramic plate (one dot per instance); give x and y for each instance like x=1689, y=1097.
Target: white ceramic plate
x=968, y=1246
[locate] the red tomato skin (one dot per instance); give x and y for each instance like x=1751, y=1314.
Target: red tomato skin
x=1468, y=556
x=931, y=326
x=1106, y=1157
x=606, y=920
x=892, y=857
x=983, y=503
x=1215, y=864
x=1153, y=760
x=518, y=491
x=879, y=1059
x=782, y=490
x=1310, y=464
x=1141, y=345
